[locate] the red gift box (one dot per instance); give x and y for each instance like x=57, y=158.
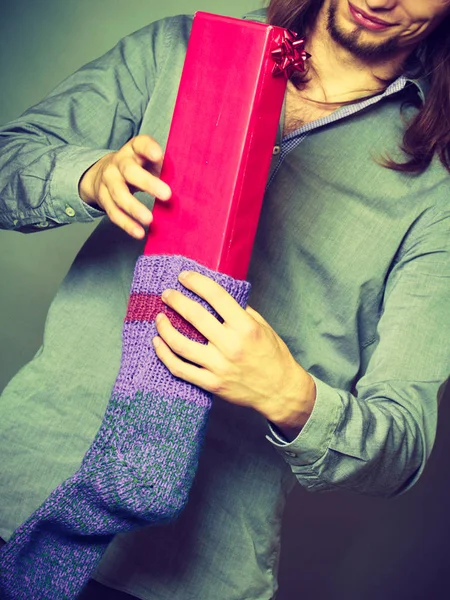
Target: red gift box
x=221, y=140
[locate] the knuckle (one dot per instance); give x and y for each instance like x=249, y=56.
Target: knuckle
x=127, y=170
x=120, y=155
x=177, y=345
x=176, y=371
x=252, y=330
x=192, y=314
x=109, y=170
x=114, y=217
x=216, y=386
x=114, y=193
x=236, y=353
x=198, y=312
x=222, y=371
x=103, y=198
x=130, y=145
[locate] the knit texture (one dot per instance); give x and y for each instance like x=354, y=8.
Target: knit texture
x=142, y=462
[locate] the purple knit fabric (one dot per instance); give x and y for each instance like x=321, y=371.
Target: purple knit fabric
x=139, y=468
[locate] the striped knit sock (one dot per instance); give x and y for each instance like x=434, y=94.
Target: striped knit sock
x=142, y=462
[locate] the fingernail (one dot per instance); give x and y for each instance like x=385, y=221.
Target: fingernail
x=165, y=294
x=183, y=275
x=146, y=218
x=158, y=318
x=166, y=192
x=156, y=342
x=155, y=154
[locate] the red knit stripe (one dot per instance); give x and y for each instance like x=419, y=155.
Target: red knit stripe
x=145, y=307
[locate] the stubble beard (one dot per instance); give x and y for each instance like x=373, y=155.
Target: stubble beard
x=352, y=41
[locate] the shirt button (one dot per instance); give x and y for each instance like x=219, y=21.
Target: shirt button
x=69, y=211
x=276, y=150
x=289, y=453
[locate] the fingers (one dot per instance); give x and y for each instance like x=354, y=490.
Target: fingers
x=217, y=297
x=120, y=217
x=146, y=147
x=147, y=154
x=184, y=370
x=135, y=175
x=196, y=314
x=111, y=181
x=174, y=349
x=194, y=352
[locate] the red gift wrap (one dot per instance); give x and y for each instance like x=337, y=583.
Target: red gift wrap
x=221, y=140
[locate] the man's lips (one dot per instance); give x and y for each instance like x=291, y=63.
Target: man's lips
x=368, y=19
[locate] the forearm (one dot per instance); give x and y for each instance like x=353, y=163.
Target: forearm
x=374, y=445
x=39, y=180
x=45, y=152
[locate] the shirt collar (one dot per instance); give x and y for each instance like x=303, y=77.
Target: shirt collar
x=415, y=73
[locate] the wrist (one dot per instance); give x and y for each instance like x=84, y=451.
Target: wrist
x=292, y=410
x=86, y=184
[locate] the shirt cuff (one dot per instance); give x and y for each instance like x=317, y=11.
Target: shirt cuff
x=67, y=205
x=315, y=437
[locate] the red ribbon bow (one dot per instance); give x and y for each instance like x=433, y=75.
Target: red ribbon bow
x=290, y=56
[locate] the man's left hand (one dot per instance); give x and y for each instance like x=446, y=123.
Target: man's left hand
x=244, y=362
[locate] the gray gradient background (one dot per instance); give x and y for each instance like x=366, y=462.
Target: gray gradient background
x=336, y=545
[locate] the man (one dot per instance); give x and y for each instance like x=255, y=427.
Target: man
x=350, y=269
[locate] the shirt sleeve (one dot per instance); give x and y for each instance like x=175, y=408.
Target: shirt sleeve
x=377, y=440
x=44, y=153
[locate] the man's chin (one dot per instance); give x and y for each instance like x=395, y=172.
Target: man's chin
x=360, y=42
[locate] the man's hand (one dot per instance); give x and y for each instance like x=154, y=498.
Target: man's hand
x=245, y=362
x=111, y=181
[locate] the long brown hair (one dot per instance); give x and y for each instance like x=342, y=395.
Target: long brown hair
x=428, y=133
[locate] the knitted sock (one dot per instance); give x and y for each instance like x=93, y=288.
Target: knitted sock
x=142, y=462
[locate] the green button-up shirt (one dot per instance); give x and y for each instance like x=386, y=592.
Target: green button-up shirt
x=351, y=267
